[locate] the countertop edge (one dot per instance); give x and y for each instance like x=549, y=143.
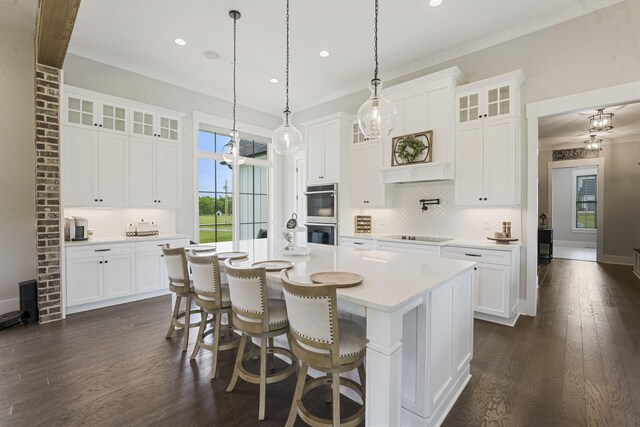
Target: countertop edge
x=115, y=240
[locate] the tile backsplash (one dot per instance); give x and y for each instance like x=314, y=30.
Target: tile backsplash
x=445, y=220
x=113, y=222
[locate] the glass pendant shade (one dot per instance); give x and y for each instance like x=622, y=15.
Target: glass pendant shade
x=601, y=121
x=230, y=153
x=593, y=144
x=286, y=139
x=377, y=116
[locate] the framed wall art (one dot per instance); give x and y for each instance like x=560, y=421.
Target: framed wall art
x=412, y=148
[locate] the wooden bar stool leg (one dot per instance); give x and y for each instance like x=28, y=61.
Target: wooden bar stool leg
x=187, y=321
x=336, y=399
x=200, y=337
x=328, y=390
x=263, y=376
x=363, y=379
x=216, y=344
x=236, y=368
x=272, y=356
x=176, y=310
x=297, y=395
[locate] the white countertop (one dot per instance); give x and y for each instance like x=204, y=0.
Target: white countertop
x=465, y=243
x=391, y=279
x=124, y=239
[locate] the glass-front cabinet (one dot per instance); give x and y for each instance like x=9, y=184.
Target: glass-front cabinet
x=492, y=102
x=153, y=124
x=86, y=112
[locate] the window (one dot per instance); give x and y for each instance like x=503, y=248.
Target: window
x=216, y=189
x=586, y=202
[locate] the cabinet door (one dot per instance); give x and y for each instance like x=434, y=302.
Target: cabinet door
x=500, y=162
x=113, y=169
x=148, y=271
x=314, y=154
x=359, y=176
x=468, y=107
x=168, y=127
x=331, y=151
x=81, y=111
x=113, y=117
x=469, y=152
x=375, y=189
x=79, y=149
x=84, y=281
x=143, y=123
x=462, y=321
x=142, y=175
x=168, y=175
x=498, y=101
x=492, y=290
x=119, y=275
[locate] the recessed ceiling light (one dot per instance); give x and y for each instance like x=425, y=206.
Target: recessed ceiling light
x=435, y=3
x=324, y=53
x=180, y=42
x=211, y=54
x=274, y=80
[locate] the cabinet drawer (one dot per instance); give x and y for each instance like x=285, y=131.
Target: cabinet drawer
x=486, y=256
x=156, y=245
x=358, y=243
x=90, y=251
x=432, y=250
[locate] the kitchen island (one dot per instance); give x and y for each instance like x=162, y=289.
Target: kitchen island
x=419, y=322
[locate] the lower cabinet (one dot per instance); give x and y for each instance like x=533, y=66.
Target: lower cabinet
x=431, y=250
x=358, y=243
x=96, y=275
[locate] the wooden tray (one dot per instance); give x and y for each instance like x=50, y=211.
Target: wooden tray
x=503, y=240
x=273, y=265
x=340, y=278
x=232, y=255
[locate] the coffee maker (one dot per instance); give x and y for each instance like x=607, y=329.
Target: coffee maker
x=76, y=228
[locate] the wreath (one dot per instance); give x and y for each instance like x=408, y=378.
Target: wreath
x=407, y=149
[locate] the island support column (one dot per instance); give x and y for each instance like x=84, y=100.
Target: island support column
x=384, y=368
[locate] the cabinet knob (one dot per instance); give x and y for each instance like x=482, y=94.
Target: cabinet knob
x=101, y=200
x=106, y=262
x=95, y=200
x=100, y=125
x=485, y=198
x=100, y=262
x=95, y=124
x=480, y=198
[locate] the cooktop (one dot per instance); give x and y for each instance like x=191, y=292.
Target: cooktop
x=419, y=238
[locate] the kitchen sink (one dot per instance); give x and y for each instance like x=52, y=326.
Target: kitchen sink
x=419, y=238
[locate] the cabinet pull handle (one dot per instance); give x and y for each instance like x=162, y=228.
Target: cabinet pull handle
x=161, y=244
x=102, y=250
x=476, y=255
x=358, y=243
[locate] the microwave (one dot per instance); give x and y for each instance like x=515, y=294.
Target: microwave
x=322, y=203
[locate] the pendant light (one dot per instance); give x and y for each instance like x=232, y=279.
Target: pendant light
x=376, y=117
x=593, y=144
x=231, y=150
x=601, y=121
x=287, y=139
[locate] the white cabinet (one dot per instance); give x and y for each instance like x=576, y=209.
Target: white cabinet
x=118, y=273
x=147, y=123
x=430, y=250
x=150, y=267
x=367, y=189
x=358, y=243
x=324, y=140
x=496, y=292
x=84, y=281
x=487, y=142
x=85, y=111
x=95, y=168
x=156, y=173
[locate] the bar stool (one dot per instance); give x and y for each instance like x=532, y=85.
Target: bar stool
x=257, y=316
x=325, y=343
x=180, y=284
x=213, y=299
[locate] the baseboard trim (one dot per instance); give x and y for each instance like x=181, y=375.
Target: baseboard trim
x=615, y=259
x=575, y=244
x=496, y=319
x=8, y=305
x=115, y=301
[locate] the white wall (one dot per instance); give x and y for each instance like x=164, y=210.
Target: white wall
x=17, y=163
x=92, y=75
x=563, y=206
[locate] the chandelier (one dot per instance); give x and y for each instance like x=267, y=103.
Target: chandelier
x=601, y=121
x=593, y=144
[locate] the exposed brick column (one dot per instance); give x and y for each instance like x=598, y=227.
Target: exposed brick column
x=47, y=98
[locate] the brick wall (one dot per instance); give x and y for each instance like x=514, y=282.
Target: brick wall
x=47, y=98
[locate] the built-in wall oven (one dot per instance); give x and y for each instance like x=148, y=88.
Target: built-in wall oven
x=325, y=234
x=322, y=214
x=322, y=203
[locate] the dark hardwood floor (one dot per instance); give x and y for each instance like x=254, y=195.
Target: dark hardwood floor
x=576, y=364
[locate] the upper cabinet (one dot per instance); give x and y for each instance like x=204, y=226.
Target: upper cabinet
x=117, y=153
x=487, y=141
x=424, y=104
x=367, y=189
x=324, y=139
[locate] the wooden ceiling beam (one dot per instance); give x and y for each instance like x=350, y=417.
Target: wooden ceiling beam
x=55, y=22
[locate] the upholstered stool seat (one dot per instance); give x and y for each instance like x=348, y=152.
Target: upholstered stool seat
x=325, y=343
x=181, y=284
x=257, y=316
x=214, y=299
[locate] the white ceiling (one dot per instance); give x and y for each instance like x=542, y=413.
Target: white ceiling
x=570, y=130
x=20, y=14
x=138, y=36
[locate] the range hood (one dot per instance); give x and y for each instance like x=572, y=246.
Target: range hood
x=439, y=171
